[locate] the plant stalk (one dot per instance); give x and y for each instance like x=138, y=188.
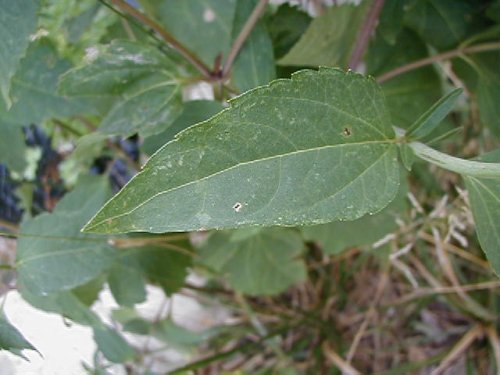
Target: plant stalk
x=461, y=166
x=364, y=34
x=166, y=36
x=439, y=57
x=242, y=36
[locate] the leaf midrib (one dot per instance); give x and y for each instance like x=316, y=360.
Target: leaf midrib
x=315, y=149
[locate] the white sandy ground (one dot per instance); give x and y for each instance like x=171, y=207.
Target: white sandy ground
x=66, y=345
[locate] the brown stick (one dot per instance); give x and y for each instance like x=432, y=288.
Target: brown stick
x=243, y=35
x=364, y=34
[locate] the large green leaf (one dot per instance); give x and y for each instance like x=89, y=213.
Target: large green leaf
x=484, y=195
x=11, y=339
x=144, y=77
x=203, y=26
x=313, y=149
x=329, y=39
x=445, y=24
x=52, y=254
x=17, y=23
x=256, y=261
x=254, y=65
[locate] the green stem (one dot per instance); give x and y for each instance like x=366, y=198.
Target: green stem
x=451, y=163
x=461, y=166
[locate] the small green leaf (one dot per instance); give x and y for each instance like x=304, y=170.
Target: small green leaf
x=407, y=156
x=126, y=285
x=158, y=264
x=145, y=79
x=484, y=196
x=147, y=107
x=329, y=39
x=309, y=150
x=111, y=69
x=18, y=22
x=112, y=345
x=256, y=261
x=11, y=339
x=177, y=336
x=434, y=115
x=52, y=254
x=65, y=303
x=254, y=65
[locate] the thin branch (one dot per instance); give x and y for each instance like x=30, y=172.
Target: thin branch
x=166, y=36
x=439, y=57
x=243, y=35
x=364, y=34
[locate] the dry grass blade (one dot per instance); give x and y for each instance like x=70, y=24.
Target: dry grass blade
x=471, y=335
x=495, y=343
x=423, y=292
x=457, y=251
x=361, y=331
x=338, y=361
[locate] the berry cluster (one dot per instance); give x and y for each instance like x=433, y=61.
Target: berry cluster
x=9, y=202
